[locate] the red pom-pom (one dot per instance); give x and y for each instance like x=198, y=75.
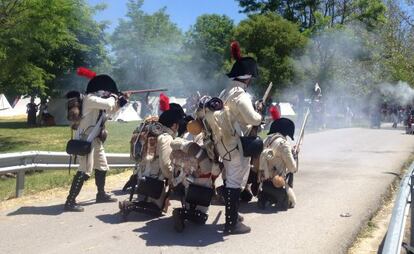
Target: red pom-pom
x=274, y=112
x=164, y=102
x=235, y=50
x=85, y=72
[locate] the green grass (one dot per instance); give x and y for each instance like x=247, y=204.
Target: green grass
x=16, y=137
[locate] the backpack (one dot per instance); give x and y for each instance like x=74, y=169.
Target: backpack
x=144, y=139
x=74, y=108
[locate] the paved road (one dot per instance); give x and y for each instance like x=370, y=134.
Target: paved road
x=341, y=171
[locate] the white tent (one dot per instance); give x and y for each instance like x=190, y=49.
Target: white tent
x=57, y=108
x=178, y=100
x=127, y=113
x=19, y=109
x=286, y=109
x=4, y=103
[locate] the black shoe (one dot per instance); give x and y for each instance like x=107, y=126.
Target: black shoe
x=104, y=198
x=240, y=218
x=73, y=207
x=178, y=220
x=237, y=229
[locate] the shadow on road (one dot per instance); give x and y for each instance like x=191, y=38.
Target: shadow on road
x=160, y=232
x=116, y=218
x=251, y=207
x=53, y=210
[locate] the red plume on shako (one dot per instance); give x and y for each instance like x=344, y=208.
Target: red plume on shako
x=164, y=102
x=85, y=72
x=235, y=50
x=274, y=112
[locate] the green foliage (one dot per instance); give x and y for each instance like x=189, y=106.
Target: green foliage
x=146, y=48
x=41, y=40
x=207, y=44
x=274, y=41
x=305, y=13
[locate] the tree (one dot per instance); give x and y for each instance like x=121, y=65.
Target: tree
x=42, y=40
x=147, y=49
x=305, y=12
x=274, y=41
x=207, y=44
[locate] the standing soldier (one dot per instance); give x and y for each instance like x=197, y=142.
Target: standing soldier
x=241, y=117
x=276, y=162
x=101, y=98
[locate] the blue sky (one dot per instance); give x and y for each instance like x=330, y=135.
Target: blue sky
x=182, y=12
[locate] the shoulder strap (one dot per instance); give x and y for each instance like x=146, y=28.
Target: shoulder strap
x=96, y=129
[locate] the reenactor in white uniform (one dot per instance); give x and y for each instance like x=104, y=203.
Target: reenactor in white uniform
x=154, y=170
x=277, y=166
x=233, y=146
x=101, y=98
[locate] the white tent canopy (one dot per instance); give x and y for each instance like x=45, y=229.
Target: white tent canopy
x=286, y=109
x=19, y=109
x=4, y=103
x=127, y=113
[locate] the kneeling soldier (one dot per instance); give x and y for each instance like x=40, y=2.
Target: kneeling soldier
x=277, y=165
x=154, y=169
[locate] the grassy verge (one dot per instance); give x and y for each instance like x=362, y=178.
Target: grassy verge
x=16, y=137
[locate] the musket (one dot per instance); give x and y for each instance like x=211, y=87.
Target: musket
x=253, y=130
x=266, y=94
x=299, y=141
x=145, y=91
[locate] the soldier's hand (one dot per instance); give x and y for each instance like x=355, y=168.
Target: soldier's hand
x=259, y=105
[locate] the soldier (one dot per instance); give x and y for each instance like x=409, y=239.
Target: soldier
x=194, y=171
x=31, y=111
x=101, y=98
x=241, y=117
x=277, y=162
x=154, y=170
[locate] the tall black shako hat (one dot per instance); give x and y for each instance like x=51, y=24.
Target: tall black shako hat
x=244, y=67
x=96, y=83
x=283, y=126
x=170, y=117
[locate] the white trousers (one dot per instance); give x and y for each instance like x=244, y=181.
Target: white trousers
x=237, y=170
x=95, y=160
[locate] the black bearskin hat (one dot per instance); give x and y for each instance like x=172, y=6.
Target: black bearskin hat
x=169, y=117
x=102, y=82
x=283, y=126
x=177, y=107
x=244, y=67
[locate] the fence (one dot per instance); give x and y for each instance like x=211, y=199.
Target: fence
x=395, y=234
x=21, y=162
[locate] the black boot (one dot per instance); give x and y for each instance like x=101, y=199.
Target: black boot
x=77, y=183
x=233, y=226
x=178, y=217
x=102, y=196
x=196, y=216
